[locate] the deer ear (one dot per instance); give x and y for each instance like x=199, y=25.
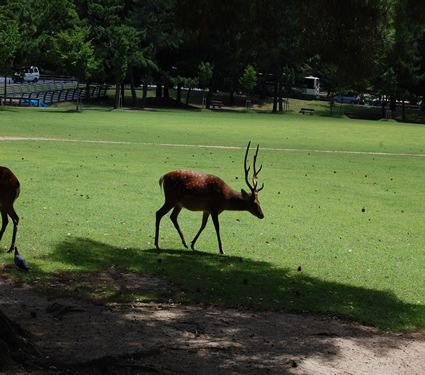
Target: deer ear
x=245, y=194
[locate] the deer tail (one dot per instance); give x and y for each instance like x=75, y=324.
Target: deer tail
x=161, y=181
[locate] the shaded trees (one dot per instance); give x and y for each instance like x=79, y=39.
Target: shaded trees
x=403, y=73
x=158, y=44
x=351, y=43
x=10, y=41
x=212, y=31
x=28, y=32
x=248, y=81
x=76, y=54
x=39, y=23
x=274, y=31
x=351, y=37
x=113, y=40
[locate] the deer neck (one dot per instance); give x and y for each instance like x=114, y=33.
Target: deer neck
x=236, y=201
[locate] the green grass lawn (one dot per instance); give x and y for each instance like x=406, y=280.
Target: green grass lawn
x=343, y=200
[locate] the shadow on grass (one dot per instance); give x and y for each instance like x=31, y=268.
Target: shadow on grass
x=203, y=278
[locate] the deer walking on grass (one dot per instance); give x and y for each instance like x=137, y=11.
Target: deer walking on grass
x=198, y=191
x=9, y=192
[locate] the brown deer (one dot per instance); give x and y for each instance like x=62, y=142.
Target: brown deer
x=9, y=192
x=197, y=191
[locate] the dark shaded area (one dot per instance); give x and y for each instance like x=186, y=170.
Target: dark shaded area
x=15, y=347
x=164, y=327
x=169, y=338
x=210, y=279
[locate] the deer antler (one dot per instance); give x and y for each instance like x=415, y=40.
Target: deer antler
x=254, y=189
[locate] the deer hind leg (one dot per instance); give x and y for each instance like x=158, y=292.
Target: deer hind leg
x=204, y=223
x=5, y=221
x=173, y=218
x=159, y=214
x=15, y=219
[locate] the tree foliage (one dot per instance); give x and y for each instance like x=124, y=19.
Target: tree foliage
x=10, y=41
x=205, y=74
x=351, y=36
x=348, y=44
x=249, y=79
x=76, y=53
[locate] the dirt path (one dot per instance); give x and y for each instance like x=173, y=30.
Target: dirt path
x=205, y=146
x=174, y=339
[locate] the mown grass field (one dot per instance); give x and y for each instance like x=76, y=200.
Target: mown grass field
x=343, y=202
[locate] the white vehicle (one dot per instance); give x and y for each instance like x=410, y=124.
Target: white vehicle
x=310, y=88
x=29, y=74
x=351, y=99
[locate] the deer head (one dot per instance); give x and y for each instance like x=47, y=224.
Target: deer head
x=254, y=208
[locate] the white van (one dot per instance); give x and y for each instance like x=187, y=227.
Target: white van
x=29, y=74
x=348, y=98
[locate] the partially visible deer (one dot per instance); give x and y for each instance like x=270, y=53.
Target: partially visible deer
x=9, y=192
x=203, y=192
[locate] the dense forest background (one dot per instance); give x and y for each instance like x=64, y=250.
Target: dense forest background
x=363, y=45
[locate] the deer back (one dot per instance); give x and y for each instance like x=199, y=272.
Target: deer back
x=198, y=191
x=193, y=190
x=9, y=187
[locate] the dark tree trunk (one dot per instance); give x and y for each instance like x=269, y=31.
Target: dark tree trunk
x=280, y=97
x=393, y=103
x=275, y=97
x=133, y=88
x=158, y=90
x=403, y=111
x=188, y=96
x=87, y=91
x=232, y=98
x=5, y=90
x=179, y=94
x=211, y=90
x=145, y=95
x=117, y=94
x=15, y=348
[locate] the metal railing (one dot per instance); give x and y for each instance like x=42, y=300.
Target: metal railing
x=49, y=93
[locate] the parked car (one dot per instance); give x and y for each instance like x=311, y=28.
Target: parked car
x=28, y=74
x=376, y=102
x=351, y=99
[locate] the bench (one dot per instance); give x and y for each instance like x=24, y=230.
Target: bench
x=307, y=110
x=351, y=114
x=216, y=103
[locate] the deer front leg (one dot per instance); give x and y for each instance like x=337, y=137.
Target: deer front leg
x=217, y=229
x=173, y=218
x=15, y=219
x=204, y=223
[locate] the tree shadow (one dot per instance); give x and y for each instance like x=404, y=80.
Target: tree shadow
x=209, y=279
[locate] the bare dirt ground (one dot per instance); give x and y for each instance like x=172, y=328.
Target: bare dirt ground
x=80, y=337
